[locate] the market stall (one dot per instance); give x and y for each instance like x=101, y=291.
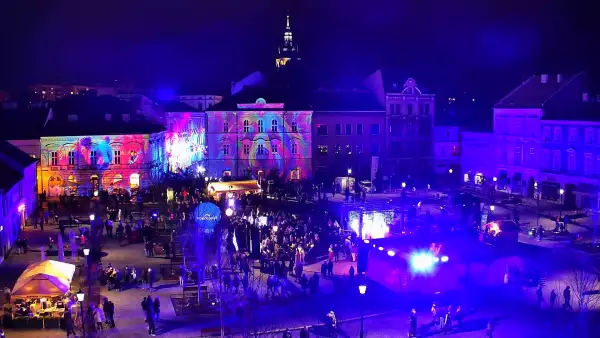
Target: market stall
x=221, y=189
x=39, y=297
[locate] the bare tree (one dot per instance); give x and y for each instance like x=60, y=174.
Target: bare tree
x=586, y=289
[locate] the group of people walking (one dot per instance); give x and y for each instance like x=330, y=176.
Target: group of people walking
x=151, y=310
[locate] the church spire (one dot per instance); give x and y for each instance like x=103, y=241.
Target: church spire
x=286, y=51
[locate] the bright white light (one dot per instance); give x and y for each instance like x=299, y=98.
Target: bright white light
x=21, y=207
x=231, y=202
x=403, y=184
x=349, y=171
x=206, y=178
x=362, y=289
x=391, y=253
x=235, y=243
x=492, y=207
x=444, y=259
x=562, y=191
x=80, y=296
x=495, y=178
x=380, y=248
x=228, y=212
x=450, y=171
x=230, y=195
x=275, y=228
x=366, y=241
x=154, y=215
x=422, y=262
x=95, y=193
x=436, y=259
x=201, y=169
x=92, y=217
x=86, y=252
x=428, y=186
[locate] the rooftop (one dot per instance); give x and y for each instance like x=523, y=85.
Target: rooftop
x=344, y=100
x=250, y=94
x=97, y=115
x=536, y=91
x=16, y=154
x=178, y=107
x=9, y=177
x=15, y=118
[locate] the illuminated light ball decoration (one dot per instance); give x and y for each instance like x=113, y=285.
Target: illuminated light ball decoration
x=422, y=262
x=375, y=224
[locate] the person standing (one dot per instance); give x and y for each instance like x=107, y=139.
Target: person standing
x=156, y=306
x=99, y=318
x=144, y=279
x=109, y=311
x=412, y=332
x=552, y=298
x=69, y=327
x=567, y=297
x=539, y=295
x=144, y=305
x=150, y=317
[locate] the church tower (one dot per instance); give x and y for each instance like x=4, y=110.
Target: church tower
x=287, y=52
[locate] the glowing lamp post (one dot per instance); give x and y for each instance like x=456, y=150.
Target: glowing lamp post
x=492, y=208
x=403, y=185
x=228, y=212
x=362, y=289
x=562, y=193
x=86, y=253
x=92, y=218
x=450, y=171
x=80, y=298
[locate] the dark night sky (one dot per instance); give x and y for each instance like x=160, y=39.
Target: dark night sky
x=182, y=42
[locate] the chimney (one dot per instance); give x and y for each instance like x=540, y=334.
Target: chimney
x=585, y=97
x=559, y=78
x=544, y=78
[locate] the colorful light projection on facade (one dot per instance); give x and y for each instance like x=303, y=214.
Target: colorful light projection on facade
x=184, y=149
x=82, y=165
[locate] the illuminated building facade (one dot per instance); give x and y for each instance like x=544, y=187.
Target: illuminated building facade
x=185, y=139
x=95, y=143
x=347, y=133
x=200, y=102
x=258, y=139
x=18, y=193
x=287, y=53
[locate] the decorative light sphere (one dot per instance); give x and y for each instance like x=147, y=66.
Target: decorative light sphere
x=450, y=170
x=562, y=191
x=403, y=184
x=391, y=253
x=228, y=212
x=380, y=248
x=495, y=178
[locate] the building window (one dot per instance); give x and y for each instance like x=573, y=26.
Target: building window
x=517, y=155
x=348, y=129
x=117, y=157
x=246, y=126
x=348, y=149
x=93, y=157
x=322, y=150
x=359, y=129
x=532, y=155
x=225, y=127
x=226, y=149
x=338, y=149
x=246, y=149
x=358, y=149
x=556, y=160
x=557, y=137
x=338, y=129
x=54, y=158
x=375, y=148
x=322, y=130
x=409, y=109
x=274, y=126
x=588, y=164
x=294, y=127
x=572, y=135
x=261, y=128
x=424, y=107
x=294, y=148
x=572, y=161
x=71, y=158
x=374, y=129
x=260, y=150
x=546, y=159
x=547, y=134
x=274, y=149
x=589, y=135
x=392, y=109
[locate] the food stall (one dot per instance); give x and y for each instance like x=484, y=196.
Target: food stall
x=219, y=190
x=39, y=297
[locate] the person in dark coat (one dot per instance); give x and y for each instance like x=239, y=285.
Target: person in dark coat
x=144, y=305
x=351, y=272
x=567, y=297
x=413, y=323
x=303, y=333
x=156, y=307
x=69, y=327
x=109, y=311
x=150, y=318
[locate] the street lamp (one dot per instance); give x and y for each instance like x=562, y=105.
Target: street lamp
x=349, y=171
x=450, y=171
x=228, y=212
x=562, y=192
x=403, y=185
x=80, y=298
x=92, y=218
x=495, y=179
x=362, y=289
x=86, y=253
x=492, y=208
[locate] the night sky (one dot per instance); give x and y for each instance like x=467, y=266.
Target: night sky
x=183, y=43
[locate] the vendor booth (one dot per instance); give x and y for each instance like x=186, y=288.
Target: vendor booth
x=221, y=189
x=39, y=297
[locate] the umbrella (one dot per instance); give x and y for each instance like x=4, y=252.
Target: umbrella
x=61, y=248
x=47, y=278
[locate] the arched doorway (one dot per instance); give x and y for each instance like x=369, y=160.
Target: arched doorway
x=55, y=185
x=95, y=181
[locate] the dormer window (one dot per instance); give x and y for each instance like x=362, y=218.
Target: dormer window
x=72, y=117
x=125, y=117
